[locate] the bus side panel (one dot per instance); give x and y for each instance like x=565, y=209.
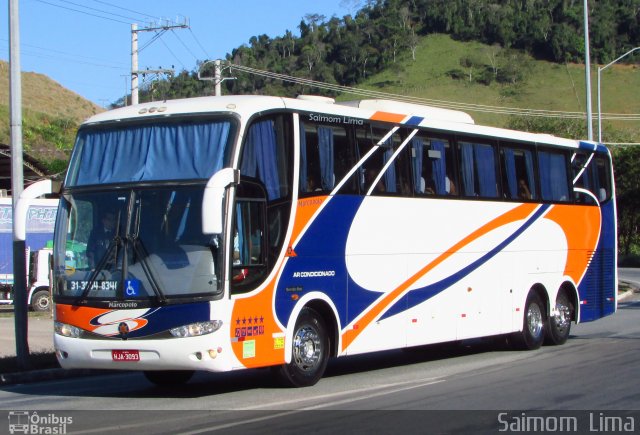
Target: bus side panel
x=598, y=288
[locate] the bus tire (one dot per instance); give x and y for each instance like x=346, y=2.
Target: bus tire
x=309, y=353
x=533, y=324
x=41, y=301
x=168, y=378
x=559, y=324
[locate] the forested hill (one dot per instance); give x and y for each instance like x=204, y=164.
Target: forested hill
x=350, y=49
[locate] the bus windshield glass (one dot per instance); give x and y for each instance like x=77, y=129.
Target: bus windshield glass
x=148, y=152
x=140, y=244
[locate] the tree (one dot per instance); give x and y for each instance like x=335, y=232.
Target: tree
x=627, y=176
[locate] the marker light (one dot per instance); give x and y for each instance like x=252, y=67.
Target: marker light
x=196, y=329
x=67, y=330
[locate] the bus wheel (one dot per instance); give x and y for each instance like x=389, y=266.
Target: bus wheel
x=41, y=301
x=559, y=324
x=168, y=378
x=310, y=351
x=533, y=325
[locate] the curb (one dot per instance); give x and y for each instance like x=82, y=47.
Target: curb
x=625, y=295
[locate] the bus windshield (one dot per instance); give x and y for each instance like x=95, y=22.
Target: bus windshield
x=140, y=244
x=110, y=154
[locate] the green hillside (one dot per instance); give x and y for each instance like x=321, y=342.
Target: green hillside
x=536, y=85
x=51, y=116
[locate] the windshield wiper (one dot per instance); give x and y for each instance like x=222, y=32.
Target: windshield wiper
x=113, y=244
x=143, y=254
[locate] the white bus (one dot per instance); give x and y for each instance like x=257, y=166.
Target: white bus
x=234, y=232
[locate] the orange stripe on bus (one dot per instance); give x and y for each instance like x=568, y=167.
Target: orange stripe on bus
x=581, y=226
x=305, y=211
x=79, y=316
x=388, y=117
x=516, y=214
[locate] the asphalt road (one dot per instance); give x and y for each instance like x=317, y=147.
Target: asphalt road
x=380, y=393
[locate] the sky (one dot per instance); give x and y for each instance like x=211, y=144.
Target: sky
x=85, y=45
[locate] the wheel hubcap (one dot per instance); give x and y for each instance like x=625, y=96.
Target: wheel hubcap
x=534, y=320
x=562, y=316
x=307, y=348
x=43, y=303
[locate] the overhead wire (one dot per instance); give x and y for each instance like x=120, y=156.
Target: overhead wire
x=82, y=12
x=172, y=53
x=199, y=44
x=97, y=10
x=433, y=102
x=125, y=9
x=184, y=45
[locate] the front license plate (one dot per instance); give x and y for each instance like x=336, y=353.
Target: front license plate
x=125, y=355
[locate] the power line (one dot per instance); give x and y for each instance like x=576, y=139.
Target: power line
x=72, y=55
x=200, y=45
x=172, y=53
x=184, y=45
x=436, y=103
x=98, y=10
x=82, y=12
x=155, y=37
x=58, y=58
x=125, y=9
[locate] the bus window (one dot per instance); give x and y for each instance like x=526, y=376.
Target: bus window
x=248, y=254
x=432, y=163
x=518, y=176
x=591, y=175
x=325, y=158
x=267, y=156
x=374, y=164
x=478, y=170
x=601, y=177
x=396, y=179
x=554, y=180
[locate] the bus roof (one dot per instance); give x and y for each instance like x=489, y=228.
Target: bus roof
x=396, y=112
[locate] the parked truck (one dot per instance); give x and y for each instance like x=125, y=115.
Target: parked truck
x=41, y=218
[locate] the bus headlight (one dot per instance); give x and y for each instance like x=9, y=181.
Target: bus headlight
x=67, y=330
x=196, y=329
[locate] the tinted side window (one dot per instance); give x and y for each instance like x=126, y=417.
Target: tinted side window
x=432, y=166
x=478, y=170
x=518, y=176
x=592, y=175
x=325, y=158
x=554, y=180
x=267, y=155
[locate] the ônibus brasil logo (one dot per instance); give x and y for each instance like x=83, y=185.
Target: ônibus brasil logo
x=28, y=422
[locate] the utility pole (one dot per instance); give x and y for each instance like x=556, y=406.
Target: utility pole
x=217, y=80
x=17, y=186
x=163, y=27
x=217, y=76
x=134, y=64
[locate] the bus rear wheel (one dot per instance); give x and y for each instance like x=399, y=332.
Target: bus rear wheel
x=559, y=323
x=533, y=324
x=309, y=353
x=168, y=378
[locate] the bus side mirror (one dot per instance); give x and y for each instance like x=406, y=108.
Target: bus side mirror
x=37, y=189
x=213, y=199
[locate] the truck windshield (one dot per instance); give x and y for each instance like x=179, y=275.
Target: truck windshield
x=140, y=244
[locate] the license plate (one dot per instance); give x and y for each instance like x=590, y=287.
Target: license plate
x=125, y=355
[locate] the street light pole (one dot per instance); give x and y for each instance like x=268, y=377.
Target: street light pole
x=599, y=103
x=587, y=65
